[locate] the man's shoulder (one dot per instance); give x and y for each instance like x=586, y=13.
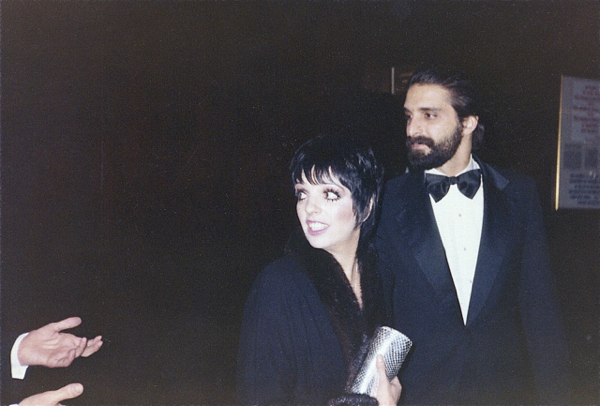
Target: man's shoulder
x=397, y=193
x=502, y=170
x=506, y=178
x=397, y=183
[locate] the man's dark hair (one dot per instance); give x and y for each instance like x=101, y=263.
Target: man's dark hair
x=352, y=161
x=466, y=99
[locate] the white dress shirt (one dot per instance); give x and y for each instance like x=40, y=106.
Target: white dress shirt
x=459, y=220
x=17, y=370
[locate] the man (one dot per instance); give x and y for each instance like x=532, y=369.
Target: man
x=465, y=262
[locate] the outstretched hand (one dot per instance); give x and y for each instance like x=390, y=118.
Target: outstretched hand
x=49, y=347
x=54, y=397
x=388, y=393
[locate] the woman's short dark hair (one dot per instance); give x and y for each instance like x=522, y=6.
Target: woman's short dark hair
x=351, y=160
x=466, y=99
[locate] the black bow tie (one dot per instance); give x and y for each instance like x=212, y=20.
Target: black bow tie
x=438, y=185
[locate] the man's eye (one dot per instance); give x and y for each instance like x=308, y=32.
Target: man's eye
x=430, y=115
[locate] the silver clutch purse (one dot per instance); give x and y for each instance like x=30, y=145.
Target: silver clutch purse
x=394, y=346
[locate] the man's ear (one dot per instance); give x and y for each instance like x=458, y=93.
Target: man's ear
x=469, y=124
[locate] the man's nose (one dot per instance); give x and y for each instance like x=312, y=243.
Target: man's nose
x=414, y=127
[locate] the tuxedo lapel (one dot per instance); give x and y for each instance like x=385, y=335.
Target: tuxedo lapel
x=495, y=236
x=418, y=228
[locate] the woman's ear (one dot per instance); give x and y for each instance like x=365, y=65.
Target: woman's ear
x=371, y=203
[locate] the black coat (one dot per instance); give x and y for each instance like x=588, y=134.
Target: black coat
x=513, y=348
x=304, y=335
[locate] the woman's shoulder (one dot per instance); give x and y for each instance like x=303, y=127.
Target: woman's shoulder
x=285, y=271
x=281, y=287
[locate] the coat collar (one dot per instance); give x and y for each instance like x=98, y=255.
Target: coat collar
x=353, y=327
x=495, y=236
x=419, y=230
x=417, y=225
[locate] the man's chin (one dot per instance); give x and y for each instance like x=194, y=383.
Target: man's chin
x=421, y=161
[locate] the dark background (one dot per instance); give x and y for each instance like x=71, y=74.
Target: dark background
x=144, y=161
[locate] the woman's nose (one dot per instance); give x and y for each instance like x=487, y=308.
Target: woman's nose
x=312, y=205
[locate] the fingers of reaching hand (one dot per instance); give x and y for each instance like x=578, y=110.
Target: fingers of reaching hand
x=65, y=355
x=69, y=391
x=53, y=398
x=81, y=347
x=92, y=346
x=65, y=324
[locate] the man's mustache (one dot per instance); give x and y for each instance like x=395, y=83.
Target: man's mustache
x=420, y=139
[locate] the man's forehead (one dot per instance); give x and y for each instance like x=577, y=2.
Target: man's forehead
x=427, y=97
x=425, y=108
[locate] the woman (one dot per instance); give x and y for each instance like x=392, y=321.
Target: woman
x=310, y=315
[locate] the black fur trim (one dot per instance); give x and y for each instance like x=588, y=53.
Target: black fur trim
x=353, y=327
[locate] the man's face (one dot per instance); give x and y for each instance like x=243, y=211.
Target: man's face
x=433, y=130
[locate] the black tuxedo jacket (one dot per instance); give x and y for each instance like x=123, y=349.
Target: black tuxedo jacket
x=512, y=349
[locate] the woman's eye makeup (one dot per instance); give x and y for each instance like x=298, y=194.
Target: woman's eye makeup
x=300, y=195
x=331, y=194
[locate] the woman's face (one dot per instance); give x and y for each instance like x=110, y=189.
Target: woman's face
x=327, y=217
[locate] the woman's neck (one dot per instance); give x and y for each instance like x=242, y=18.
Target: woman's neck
x=350, y=267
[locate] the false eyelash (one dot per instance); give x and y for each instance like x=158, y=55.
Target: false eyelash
x=335, y=192
x=297, y=193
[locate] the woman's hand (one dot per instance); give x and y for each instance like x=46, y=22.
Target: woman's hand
x=388, y=393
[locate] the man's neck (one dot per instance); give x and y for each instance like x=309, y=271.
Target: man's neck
x=454, y=167
x=458, y=162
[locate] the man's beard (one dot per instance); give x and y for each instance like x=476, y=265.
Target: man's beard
x=439, y=153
